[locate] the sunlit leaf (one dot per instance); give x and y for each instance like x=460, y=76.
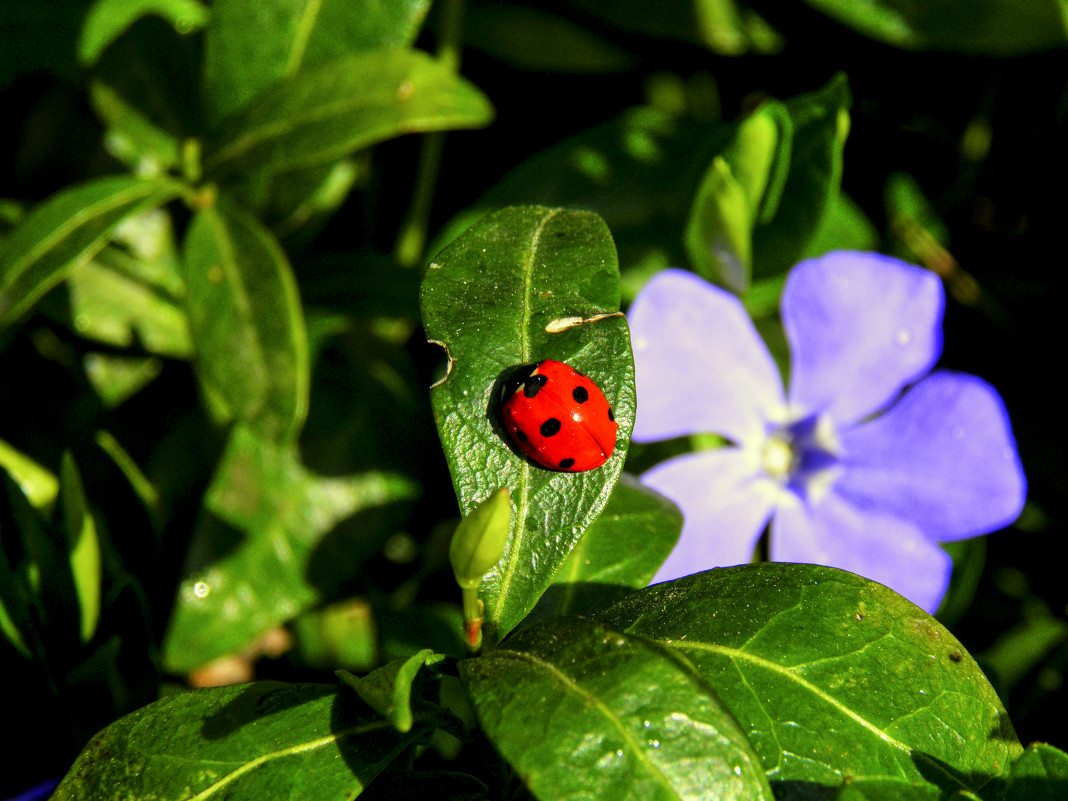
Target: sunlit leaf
x=488, y=300
x=580, y=710
x=837, y=679
x=264, y=740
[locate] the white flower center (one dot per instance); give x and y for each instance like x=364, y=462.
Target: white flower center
x=802, y=456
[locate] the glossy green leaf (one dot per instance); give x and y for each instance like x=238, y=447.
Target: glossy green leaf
x=388, y=689
x=66, y=229
x=246, y=319
x=244, y=53
x=1040, y=774
x=108, y=19
x=820, y=123
x=988, y=27
x=269, y=543
x=267, y=740
x=326, y=112
x=491, y=299
x=582, y=711
x=83, y=545
x=619, y=553
x=837, y=679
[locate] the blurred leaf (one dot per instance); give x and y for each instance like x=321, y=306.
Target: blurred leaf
x=263, y=740
x=844, y=227
x=820, y=123
x=246, y=319
x=131, y=136
x=719, y=25
x=837, y=679
x=117, y=378
x=83, y=546
x=38, y=484
x=108, y=19
x=487, y=299
x=326, y=112
x=66, y=229
x=534, y=39
x=619, y=553
x=985, y=27
x=1040, y=774
x=388, y=690
x=1024, y=646
x=262, y=542
x=342, y=634
x=247, y=49
x=40, y=36
x=615, y=717
x=17, y=575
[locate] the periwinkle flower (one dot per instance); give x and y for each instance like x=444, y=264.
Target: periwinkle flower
x=866, y=463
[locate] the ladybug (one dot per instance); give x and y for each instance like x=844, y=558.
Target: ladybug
x=558, y=417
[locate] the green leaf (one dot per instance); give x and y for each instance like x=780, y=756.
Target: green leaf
x=326, y=112
x=820, y=122
x=264, y=740
x=837, y=678
x=489, y=300
x=987, y=27
x=1040, y=774
x=582, y=711
x=270, y=538
x=108, y=19
x=246, y=319
x=619, y=553
x=83, y=546
x=132, y=137
x=38, y=484
x=244, y=53
x=388, y=690
x=66, y=229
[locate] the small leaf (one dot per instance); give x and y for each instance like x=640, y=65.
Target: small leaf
x=488, y=298
x=388, y=690
x=82, y=543
x=39, y=485
x=67, y=228
x=132, y=137
x=108, y=19
x=619, y=553
x=262, y=542
x=264, y=740
x=834, y=676
x=244, y=53
x=246, y=319
x=582, y=711
x=326, y=112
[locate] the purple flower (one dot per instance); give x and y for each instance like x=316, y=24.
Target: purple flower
x=866, y=463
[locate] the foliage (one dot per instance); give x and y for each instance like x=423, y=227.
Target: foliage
x=228, y=231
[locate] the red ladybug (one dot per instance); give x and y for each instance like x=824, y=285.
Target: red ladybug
x=558, y=417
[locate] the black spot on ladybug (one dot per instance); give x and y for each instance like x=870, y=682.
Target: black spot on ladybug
x=520, y=435
x=550, y=427
x=566, y=463
x=580, y=394
x=534, y=385
x=611, y=414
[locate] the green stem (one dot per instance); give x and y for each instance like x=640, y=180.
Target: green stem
x=472, y=610
x=411, y=241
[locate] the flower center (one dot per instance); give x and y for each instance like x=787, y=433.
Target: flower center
x=802, y=456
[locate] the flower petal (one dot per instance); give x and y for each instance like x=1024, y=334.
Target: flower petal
x=700, y=366
x=943, y=457
x=877, y=546
x=861, y=326
x=725, y=504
